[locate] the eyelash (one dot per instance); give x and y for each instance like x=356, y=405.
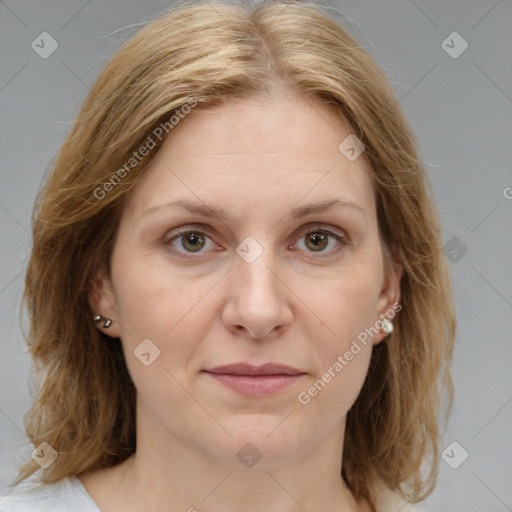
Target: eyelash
x=341, y=239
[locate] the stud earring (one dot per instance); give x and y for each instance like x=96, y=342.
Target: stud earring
x=387, y=326
x=107, y=322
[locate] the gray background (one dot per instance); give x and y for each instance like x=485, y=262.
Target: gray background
x=461, y=111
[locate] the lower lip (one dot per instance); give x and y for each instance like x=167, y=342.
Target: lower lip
x=256, y=385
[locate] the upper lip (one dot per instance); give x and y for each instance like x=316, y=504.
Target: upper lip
x=248, y=369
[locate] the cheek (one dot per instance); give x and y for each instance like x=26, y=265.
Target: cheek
x=345, y=305
x=153, y=298
x=347, y=309
x=343, y=353
x=162, y=313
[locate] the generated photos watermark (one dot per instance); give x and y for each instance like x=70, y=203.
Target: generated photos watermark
x=150, y=143
x=304, y=397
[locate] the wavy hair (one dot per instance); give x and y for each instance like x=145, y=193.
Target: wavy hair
x=208, y=52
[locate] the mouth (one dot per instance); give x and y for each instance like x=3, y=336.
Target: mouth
x=255, y=381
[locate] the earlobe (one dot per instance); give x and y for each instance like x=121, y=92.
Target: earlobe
x=107, y=322
x=389, y=301
x=102, y=303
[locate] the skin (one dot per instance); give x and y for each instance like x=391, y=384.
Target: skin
x=256, y=159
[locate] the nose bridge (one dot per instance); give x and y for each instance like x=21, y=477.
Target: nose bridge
x=255, y=271
x=257, y=295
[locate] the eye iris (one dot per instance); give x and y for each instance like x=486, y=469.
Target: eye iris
x=318, y=239
x=196, y=242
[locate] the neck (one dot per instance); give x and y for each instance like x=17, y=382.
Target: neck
x=166, y=474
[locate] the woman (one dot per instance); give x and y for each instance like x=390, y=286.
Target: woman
x=237, y=291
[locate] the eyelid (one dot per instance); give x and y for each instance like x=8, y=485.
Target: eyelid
x=319, y=226
x=187, y=228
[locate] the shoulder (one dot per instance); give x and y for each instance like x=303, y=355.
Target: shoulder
x=64, y=495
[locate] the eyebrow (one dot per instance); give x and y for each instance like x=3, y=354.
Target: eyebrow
x=205, y=210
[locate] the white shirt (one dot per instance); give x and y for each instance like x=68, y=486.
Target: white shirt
x=69, y=494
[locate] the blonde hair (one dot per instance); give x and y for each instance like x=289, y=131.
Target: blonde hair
x=202, y=52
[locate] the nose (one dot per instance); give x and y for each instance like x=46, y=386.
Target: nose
x=258, y=299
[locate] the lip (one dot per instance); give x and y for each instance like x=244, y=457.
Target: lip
x=250, y=370
x=255, y=381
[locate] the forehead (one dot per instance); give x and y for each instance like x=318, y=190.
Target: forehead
x=253, y=152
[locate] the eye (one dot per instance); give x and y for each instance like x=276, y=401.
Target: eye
x=317, y=239
x=191, y=242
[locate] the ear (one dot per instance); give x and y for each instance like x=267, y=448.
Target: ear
x=102, y=302
x=389, y=297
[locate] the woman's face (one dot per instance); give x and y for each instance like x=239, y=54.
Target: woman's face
x=271, y=279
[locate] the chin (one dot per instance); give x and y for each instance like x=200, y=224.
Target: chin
x=263, y=441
